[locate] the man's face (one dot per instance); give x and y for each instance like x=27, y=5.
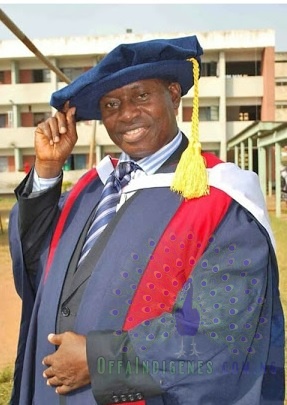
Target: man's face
x=141, y=117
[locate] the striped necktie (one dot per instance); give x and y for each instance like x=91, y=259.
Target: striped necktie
x=106, y=208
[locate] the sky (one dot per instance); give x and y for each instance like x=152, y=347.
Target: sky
x=111, y=18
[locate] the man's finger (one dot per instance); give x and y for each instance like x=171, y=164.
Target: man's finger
x=49, y=373
x=70, y=116
x=71, y=113
x=63, y=389
x=61, y=122
x=66, y=106
x=46, y=361
x=54, y=382
x=71, y=125
x=55, y=339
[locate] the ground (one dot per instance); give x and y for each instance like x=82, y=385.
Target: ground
x=9, y=317
x=9, y=300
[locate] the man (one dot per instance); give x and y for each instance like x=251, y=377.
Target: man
x=174, y=300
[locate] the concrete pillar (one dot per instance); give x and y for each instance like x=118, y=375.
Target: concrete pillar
x=179, y=112
x=18, y=159
x=14, y=115
x=269, y=169
x=54, y=82
x=262, y=168
x=14, y=72
x=98, y=154
x=242, y=155
x=250, y=154
x=236, y=155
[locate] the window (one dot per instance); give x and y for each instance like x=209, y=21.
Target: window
x=3, y=118
x=73, y=73
x=243, y=113
x=281, y=83
x=243, y=116
x=209, y=113
x=4, y=164
x=239, y=69
x=41, y=76
x=208, y=69
x=40, y=117
x=80, y=162
x=5, y=77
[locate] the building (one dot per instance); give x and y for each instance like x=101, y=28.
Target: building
x=262, y=146
x=281, y=86
x=237, y=87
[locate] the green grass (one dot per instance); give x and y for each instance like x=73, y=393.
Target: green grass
x=279, y=228
x=6, y=203
x=6, y=379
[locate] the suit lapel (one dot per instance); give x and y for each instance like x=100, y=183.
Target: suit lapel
x=87, y=267
x=170, y=164
x=66, y=246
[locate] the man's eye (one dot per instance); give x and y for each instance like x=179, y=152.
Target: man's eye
x=112, y=104
x=143, y=96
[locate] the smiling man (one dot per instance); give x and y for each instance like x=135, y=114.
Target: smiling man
x=134, y=289
x=140, y=117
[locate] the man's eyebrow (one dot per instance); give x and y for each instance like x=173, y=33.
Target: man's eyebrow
x=136, y=84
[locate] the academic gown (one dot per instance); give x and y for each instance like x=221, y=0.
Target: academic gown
x=180, y=306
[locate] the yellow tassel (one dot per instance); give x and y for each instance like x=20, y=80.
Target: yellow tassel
x=190, y=178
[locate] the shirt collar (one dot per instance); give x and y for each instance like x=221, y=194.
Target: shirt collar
x=149, y=164
x=152, y=163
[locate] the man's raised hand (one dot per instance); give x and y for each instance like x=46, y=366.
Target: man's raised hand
x=55, y=139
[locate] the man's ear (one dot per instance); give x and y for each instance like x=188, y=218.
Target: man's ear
x=175, y=91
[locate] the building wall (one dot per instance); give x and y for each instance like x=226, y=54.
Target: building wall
x=281, y=86
x=268, y=73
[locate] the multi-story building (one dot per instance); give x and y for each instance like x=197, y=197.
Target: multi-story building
x=237, y=87
x=281, y=86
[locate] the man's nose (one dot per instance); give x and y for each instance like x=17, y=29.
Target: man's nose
x=129, y=110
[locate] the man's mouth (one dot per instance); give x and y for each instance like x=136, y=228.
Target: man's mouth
x=134, y=134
